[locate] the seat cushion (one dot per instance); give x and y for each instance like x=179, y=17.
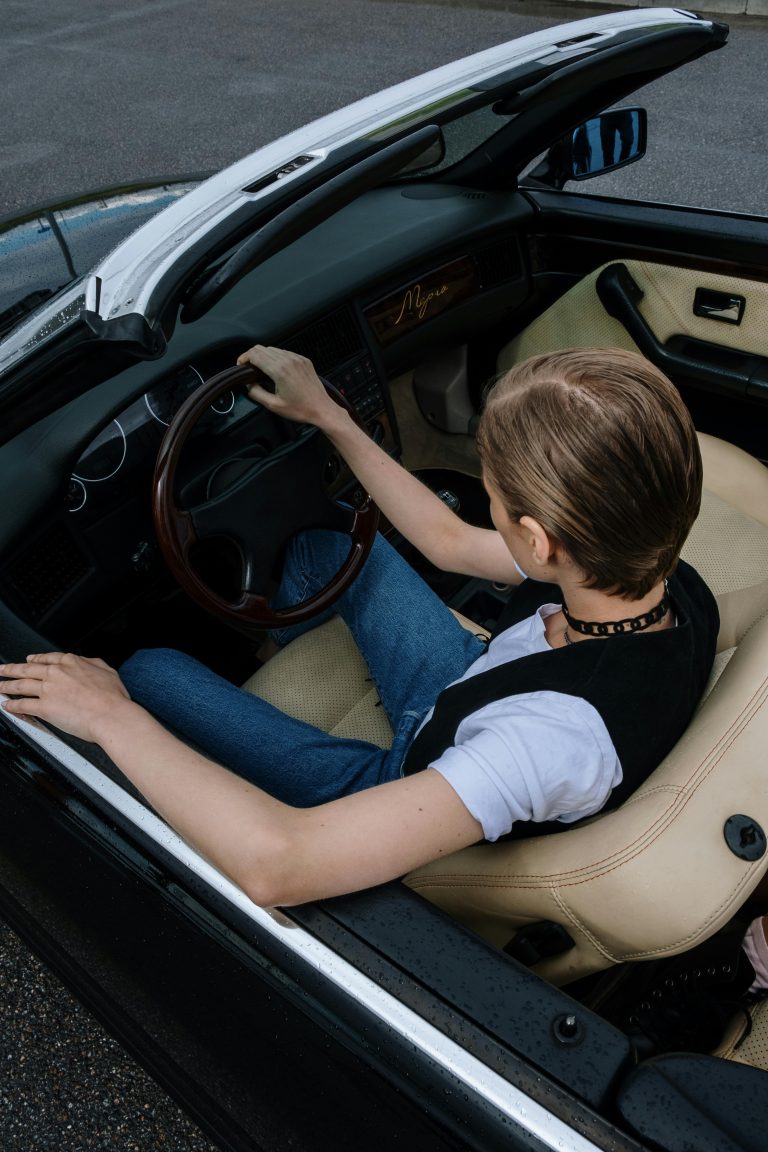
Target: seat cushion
x=321, y=678
x=746, y=1039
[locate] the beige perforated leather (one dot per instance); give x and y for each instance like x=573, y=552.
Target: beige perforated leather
x=578, y=319
x=322, y=679
x=727, y=547
x=735, y=477
x=746, y=1039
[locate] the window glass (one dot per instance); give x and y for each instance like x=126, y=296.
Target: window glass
x=44, y=253
x=465, y=134
x=91, y=229
x=34, y=268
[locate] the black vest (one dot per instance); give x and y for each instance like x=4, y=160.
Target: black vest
x=644, y=685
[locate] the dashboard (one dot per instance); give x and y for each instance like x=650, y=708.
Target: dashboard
x=100, y=540
x=362, y=304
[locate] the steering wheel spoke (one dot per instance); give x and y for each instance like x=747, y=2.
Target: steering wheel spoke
x=270, y=502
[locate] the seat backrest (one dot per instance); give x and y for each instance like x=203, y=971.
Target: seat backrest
x=656, y=876
x=729, y=541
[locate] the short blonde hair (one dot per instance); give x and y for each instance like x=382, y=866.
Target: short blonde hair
x=597, y=445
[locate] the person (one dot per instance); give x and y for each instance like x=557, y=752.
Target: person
x=593, y=472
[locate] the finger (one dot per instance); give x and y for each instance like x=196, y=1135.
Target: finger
x=252, y=356
x=22, y=687
x=50, y=658
x=26, y=707
x=272, y=360
x=16, y=669
x=261, y=395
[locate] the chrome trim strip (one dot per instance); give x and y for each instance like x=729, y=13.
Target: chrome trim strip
x=505, y=1097
x=92, y=294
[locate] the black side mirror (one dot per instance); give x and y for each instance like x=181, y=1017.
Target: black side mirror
x=606, y=142
x=601, y=144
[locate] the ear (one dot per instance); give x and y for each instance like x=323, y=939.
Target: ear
x=545, y=549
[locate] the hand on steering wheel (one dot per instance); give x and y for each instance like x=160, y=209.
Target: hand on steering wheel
x=276, y=497
x=287, y=384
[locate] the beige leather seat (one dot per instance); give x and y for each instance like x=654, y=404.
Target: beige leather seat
x=656, y=876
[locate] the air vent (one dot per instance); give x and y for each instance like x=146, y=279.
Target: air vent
x=330, y=342
x=499, y=264
x=475, y=195
x=43, y=574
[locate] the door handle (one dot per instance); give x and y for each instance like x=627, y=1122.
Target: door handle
x=721, y=306
x=709, y=365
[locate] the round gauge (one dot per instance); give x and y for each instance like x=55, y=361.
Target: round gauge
x=104, y=456
x=76, y=494
x=165, y=400
x=224, y=404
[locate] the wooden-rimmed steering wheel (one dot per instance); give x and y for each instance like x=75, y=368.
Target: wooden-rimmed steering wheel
x=275, y=498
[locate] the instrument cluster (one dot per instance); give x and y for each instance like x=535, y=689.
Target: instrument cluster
x=135, y=435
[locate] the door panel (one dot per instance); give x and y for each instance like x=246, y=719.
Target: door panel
x=649, y=278
x=579, y=318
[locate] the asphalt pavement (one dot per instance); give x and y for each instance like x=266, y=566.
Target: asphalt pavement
x=66, y=1084
x=98, y=95
x=95, y=94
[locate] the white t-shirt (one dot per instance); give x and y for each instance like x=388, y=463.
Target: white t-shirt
x=533, y=756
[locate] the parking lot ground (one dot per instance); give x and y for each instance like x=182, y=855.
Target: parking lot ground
x=65, y=1085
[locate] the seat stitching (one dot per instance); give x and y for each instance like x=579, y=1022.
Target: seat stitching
x=725, y=905
x=571, y=916
x=659, y=951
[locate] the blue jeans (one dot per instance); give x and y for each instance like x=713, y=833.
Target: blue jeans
x=411, y=642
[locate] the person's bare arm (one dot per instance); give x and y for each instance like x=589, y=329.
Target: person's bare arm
x=277, y=854
x=439, y=533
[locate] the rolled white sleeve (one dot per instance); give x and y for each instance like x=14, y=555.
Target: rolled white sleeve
x=536, y=756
